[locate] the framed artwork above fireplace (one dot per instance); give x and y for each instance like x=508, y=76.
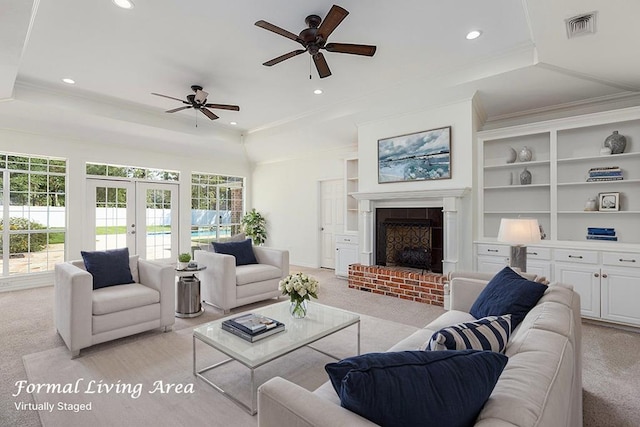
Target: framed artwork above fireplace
x=417, y=156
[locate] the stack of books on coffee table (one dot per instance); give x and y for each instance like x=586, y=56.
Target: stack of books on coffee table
x=252, y=327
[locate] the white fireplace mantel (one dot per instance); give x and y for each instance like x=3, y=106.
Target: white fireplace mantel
x=422, y=194
x=446, y=198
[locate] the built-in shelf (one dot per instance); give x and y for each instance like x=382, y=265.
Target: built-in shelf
x=599, y=158
x=620, y=181
x=351, y=188
x=519, y=186
x=599, y=212
x=511, y=212
x=518, y=165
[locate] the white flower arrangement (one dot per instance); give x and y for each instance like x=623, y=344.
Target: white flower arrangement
x=299, y=287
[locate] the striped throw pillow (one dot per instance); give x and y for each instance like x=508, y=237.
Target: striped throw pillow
x=489, y=333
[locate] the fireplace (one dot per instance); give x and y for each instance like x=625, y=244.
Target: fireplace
x=409, y=237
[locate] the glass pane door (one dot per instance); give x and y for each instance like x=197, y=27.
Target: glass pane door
x=111, y=215
x=157, y=207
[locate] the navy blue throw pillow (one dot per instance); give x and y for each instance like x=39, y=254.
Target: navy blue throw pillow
x=243, y=251
x=412, y=388
x=508, y=293
x=108, y=268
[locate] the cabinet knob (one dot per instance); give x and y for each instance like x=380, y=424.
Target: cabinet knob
x=604, y=275
x=575, y=256
x=532, y=253
x=596, y=275
x=492, y=250
x=626, y=260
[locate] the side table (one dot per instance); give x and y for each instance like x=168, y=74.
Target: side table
x=188, y=302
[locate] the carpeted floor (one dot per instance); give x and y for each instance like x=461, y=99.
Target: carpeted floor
x=611, y=377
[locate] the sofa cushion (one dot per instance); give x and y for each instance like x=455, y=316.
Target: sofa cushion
x=252, y=273
x=122, y=297
x=108, y=268
x=451, y=390
x=242, y=251
x=507, y=293
x=489, y=333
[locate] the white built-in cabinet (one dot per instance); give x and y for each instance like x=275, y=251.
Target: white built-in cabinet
x=605, y=274
x=347, y=243
x=346, y=253
x=351, y=187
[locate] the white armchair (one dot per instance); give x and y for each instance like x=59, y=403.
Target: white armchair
x=226, y=286
x=84, y=316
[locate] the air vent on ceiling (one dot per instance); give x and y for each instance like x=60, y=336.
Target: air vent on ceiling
x=581, y=25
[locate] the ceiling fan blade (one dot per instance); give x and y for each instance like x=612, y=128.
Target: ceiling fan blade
x=354, y=49
x=268, y=26
x=332, y=20
x=165, y=96
x=321, y=65
x=223, y=107
x=281, y=58
x=177, y=109
x=208, y=113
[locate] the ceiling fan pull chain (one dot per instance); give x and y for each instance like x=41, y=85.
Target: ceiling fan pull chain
x=310, y=68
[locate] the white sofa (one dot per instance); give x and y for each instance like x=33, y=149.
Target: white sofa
x=85, y=317
x=541, y=384
x=226, y=286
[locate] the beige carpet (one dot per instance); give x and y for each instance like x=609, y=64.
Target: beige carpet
x=611, y=369
x=139, y=366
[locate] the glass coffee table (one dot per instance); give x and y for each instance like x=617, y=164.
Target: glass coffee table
x=321, y=321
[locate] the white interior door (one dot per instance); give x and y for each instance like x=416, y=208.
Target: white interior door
x=331, y=218
x=142, y=216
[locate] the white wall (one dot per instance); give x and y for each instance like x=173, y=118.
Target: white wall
x=287, y=193
x=460, y=116
x=221, y=158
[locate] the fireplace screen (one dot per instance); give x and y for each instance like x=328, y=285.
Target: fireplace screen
x=406, y=243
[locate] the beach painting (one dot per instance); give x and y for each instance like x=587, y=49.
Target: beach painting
x=415, y=157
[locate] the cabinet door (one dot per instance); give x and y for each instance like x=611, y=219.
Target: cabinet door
x=620, y=294
x=492, y=264
x=541, y=268
x=585, y=281
x=346, y=255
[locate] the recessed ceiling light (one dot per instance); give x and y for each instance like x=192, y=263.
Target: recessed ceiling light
x=69, y=81
x=233, y=123
x=474, y=34
x=125, y=4
x=318, y=91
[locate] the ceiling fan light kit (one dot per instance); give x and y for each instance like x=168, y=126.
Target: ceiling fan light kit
x=314, y=39
x=198, y=101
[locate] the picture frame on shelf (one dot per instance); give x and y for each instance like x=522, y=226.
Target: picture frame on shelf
x=417, y=156
x=609, y=201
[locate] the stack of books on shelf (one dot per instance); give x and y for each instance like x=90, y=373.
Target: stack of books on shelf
x=252, y=327
x=608, y=173
x=597, y=233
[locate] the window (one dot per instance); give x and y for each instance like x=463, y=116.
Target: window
x=131, y=172
x=217, y=206
x=32, y=194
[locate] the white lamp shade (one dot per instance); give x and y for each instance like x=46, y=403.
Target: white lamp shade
x=519, y=231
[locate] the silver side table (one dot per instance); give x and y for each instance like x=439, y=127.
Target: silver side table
x=188, y=301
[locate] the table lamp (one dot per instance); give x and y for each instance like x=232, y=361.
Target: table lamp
x=519, y=232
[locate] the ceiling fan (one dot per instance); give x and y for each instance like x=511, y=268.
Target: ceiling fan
x=198, y=101
x=314, y=39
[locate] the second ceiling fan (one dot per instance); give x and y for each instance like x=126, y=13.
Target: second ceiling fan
x=314, y=39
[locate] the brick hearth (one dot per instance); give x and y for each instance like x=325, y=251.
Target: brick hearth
x=399, y=282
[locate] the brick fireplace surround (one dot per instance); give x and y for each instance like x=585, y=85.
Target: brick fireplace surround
x=400, y=282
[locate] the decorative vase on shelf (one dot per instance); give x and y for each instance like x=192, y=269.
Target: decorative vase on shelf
x=525, y=177
x=616, y=142
x=591, y=205
x=525, y=154
x=298, y=309
x=511, y=155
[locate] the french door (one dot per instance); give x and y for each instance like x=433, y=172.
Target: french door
x=139, y=215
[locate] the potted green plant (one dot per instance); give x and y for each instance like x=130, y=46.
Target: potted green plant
x=183, y=260
x=255, y=226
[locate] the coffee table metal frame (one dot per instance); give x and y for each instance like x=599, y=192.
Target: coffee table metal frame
x=274, y=310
